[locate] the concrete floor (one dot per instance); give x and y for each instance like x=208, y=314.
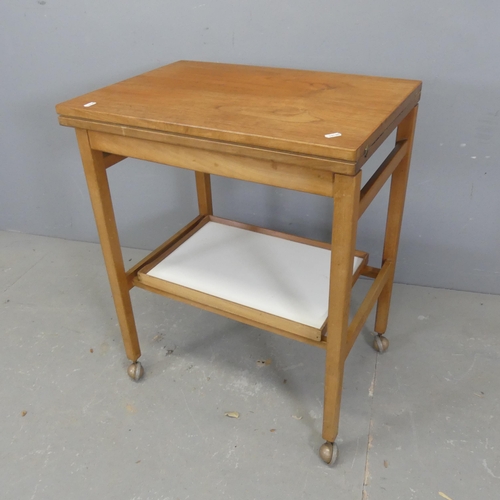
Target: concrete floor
x=419, y=422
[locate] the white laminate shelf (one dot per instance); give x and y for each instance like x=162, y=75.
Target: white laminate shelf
x=284, y=278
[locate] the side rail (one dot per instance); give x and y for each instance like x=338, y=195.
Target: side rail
x=379, y=178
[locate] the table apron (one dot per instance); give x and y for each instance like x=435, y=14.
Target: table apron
x=244, y=168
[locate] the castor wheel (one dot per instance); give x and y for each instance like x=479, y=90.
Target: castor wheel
x=329, y=452
x=380, y=343
x=135, y=371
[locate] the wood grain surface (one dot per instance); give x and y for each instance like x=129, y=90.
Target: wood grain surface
x=281, y=109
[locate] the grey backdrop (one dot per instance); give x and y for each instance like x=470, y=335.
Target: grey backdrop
x=57, y=49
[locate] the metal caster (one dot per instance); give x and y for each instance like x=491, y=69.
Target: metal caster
x=135, y=371
x=380, y=343
x=329, y=452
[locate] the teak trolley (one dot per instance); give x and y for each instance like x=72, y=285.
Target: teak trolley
x=300, y=130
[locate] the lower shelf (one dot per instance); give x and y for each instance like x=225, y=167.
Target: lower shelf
x=272, y=279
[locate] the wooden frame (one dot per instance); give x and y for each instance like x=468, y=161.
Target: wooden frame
x=336, y=335
x=309, y=164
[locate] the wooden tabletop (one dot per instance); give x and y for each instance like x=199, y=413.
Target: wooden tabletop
x=280, y=109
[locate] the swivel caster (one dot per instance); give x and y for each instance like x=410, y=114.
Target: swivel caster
x=380, y=343
x=135, y=371
x=329, y=452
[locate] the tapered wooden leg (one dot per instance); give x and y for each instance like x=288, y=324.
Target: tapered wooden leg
x=97, y=181
x=204, y=192
x=397, y=196
x=346, y=191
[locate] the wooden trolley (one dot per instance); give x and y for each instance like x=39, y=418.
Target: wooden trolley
x=300, y=130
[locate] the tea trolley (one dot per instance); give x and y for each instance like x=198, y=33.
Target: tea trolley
x=300, y=130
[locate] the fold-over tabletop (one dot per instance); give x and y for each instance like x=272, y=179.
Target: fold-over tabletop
x=278, y=109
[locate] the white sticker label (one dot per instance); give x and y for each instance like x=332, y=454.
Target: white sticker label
x=335, y=134
x=89, y=104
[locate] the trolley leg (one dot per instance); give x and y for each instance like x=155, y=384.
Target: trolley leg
x=346, y=191
x=204, y=192
x=97, y=181
x=397, y=196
